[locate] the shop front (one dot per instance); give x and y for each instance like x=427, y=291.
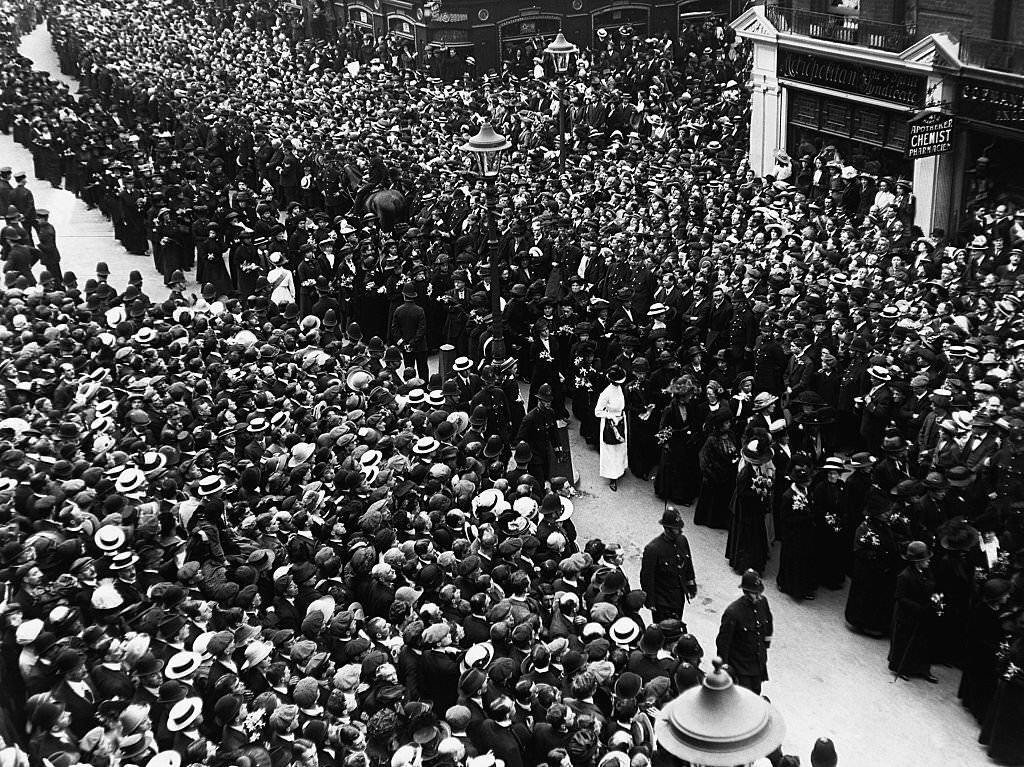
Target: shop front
x=855, y=103
x=851, y=110
x=522, y=38
x=991, y=120
x=362, y=17
x=620, y=23
x=406, y=31
x=451, y=29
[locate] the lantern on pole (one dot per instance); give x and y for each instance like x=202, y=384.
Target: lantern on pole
x=719, y=724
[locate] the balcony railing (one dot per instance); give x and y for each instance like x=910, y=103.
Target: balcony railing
x=848, y=30
x=1000, y=55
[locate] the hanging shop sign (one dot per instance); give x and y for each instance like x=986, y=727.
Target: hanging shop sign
x=930, y=132
x=851, y=77
x=989, y=103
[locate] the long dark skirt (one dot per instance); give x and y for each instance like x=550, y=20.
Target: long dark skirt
x=797, y=559
x=910, y=648
x=644, y=452
x=870, y=601
x=713, y=505
x=678, y=477
x=747, y=547
x=1002, y=731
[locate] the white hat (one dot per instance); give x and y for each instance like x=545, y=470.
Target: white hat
x=624, y=631
x=184, y=713
x=165, y=759
x=109, y=538
x=182, y=664
x=29, y=631
x=130, y=480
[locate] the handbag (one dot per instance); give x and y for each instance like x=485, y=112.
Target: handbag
x=612, y=432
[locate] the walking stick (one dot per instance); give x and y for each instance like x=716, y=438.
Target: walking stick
x=910, y=643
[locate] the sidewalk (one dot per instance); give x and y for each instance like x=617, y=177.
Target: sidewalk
x=84, y=236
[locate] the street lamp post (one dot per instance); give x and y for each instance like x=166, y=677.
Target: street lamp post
x=487, y=149
x=561, y=52
x=718, y=724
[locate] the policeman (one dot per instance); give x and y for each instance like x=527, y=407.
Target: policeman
x=746, y=634
x=666, y=570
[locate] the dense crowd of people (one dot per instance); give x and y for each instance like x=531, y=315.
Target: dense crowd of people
x=251, y=527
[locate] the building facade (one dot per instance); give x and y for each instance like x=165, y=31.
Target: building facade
x=920, y=90
x=495, y=31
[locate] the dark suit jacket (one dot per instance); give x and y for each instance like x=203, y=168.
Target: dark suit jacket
x=409, y=324
x=439, y=673
x=83, y=711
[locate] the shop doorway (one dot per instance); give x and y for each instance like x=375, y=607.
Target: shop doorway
x=994, y=171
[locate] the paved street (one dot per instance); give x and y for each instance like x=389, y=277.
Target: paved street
x=825, y=680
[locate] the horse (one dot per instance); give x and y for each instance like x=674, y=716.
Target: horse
x=376, y=196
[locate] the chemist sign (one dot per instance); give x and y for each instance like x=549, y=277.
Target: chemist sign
x=930, y=132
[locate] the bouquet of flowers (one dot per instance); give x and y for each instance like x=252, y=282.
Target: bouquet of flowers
x=762, y=486
x=254, y=722
x=1013, y=673
x=870, y=539
x=582, y=381
x=544, y=355
x=799, y=501
x=938, y=603
x=832, y=520
x=663, y=436
x=249, y=266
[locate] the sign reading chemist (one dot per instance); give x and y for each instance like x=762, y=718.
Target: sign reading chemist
x=929, y=132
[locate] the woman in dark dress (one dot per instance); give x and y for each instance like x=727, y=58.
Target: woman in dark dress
x=586, y=382
x=679, y=433
x=829, y=542
x=798, y=556
x=985, y=635
x=718, y=456
x=1002, y=731
x=210, y=255
x=543, y=350
x=873, y=574
x=643, y=423
x=747, y=546
x=955, y=561
x=914, y=616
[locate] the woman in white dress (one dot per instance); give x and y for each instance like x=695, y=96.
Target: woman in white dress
x=611, y=407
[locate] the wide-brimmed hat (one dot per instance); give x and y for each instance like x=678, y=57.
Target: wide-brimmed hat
x=862, y=460
x=616, y=374
x=210, y=485
x=833, y=464
x=255, y=653
x=624, y=631
x=917, y=551
x=879, y=373
x=957, y=535
x=763, y=400
x=183, y=663
x=109, y=538
x=935, y=481
x=184, y=713
x=959, y=476
x=757, y=451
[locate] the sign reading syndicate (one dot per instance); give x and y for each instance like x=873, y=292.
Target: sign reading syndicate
x=851, y=77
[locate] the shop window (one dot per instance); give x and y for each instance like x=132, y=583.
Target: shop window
x=865, y=137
